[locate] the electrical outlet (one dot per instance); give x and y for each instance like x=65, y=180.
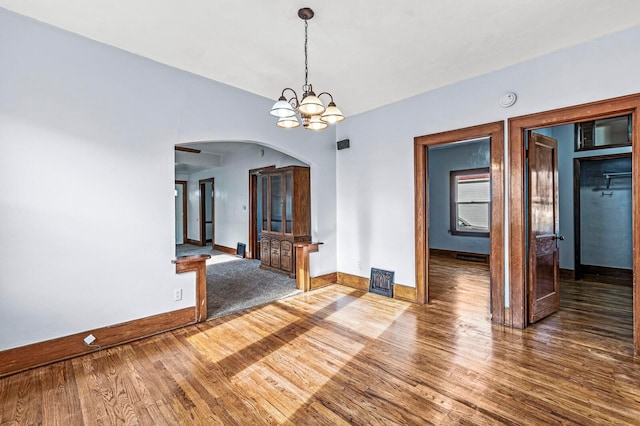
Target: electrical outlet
x=177, y=294
x=89, y=339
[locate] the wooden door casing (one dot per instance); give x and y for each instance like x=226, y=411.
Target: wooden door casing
x=544, y=291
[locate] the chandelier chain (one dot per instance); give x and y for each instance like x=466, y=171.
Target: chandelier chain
x=306, y=60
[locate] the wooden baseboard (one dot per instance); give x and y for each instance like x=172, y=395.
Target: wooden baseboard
x=400, y=292
x=193, y=242
x=225, y=249
x=353, y=281
x=50, y=351
x=567, y=274
x=461, y=255
x=324, y=280
x=403, y=292
x=604, y=274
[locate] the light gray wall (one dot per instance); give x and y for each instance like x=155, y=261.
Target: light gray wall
x=376, y=175
x=232, y=192
x=91, y=131
x=442, y=160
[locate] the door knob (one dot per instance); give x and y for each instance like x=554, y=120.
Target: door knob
x=560, y=237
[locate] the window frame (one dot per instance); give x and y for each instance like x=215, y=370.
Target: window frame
x=453, y=204
x=579, y=134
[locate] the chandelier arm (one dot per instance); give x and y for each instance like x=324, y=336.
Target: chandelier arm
x=328, y=94
x=295, y=97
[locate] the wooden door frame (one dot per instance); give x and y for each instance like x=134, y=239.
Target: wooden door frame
x=252, y=246
x=517, y=203
x=203, y=213
x=184, y=209
x=495, y=131
x=577, y=237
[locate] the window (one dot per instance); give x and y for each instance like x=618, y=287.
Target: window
x=603, y=133
x=470, y=202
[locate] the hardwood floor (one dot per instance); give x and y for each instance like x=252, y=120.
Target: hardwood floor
x=338, y=355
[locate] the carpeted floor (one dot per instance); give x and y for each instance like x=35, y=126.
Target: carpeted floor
x=235, y=284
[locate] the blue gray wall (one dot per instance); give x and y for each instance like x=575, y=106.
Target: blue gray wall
x=601, y=246
x=442, y=160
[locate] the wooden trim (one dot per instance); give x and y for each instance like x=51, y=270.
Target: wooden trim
x=567, y=274
x=187, y=149
x=184, y=208
x=54, y=350
x=225, y=249
x=197, y=264
x=303, y=281
x=353, y=281
x=203, y=214
x=400, y=292
x=453, y=216
x=604, y=274
x=194, y=242
x=453, y=254
x=577, y=233
x=421, y=188
x=253, y=248
x=403, y=292
x=495, y=131
x=517, y=206
x=324, y=280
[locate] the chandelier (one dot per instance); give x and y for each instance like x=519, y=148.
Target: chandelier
x=312, y=112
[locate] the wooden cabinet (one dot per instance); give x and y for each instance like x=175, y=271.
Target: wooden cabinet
x=285, y=207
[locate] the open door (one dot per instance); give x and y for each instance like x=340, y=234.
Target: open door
x=544, y=268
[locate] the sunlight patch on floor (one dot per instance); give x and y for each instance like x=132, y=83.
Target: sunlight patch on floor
x=324, y=348
x=299, y=336
x=221, y=258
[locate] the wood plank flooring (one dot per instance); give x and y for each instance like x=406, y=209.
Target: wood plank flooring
x=342, y=356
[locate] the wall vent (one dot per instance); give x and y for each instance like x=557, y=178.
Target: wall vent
x=381, y=282
x=343, y=144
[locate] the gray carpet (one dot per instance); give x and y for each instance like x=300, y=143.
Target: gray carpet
x=240, y=284
x=235, y=284
x=190, y=249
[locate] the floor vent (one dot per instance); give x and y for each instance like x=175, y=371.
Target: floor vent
x=381, y=282
x=472, y=257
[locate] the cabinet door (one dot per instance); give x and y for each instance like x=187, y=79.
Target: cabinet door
x=288, y=201
x=286, y=256
x=275, y=254
x=276, y=213
x=264, y=202
x=265, y=256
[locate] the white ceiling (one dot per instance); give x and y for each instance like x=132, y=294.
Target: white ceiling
x=211, y=155
x=366, y=53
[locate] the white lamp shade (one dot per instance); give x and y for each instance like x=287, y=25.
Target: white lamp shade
x=332, y=114
x=311, y=105
x=282, y=108
x=316, y=124
x=288, y=122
